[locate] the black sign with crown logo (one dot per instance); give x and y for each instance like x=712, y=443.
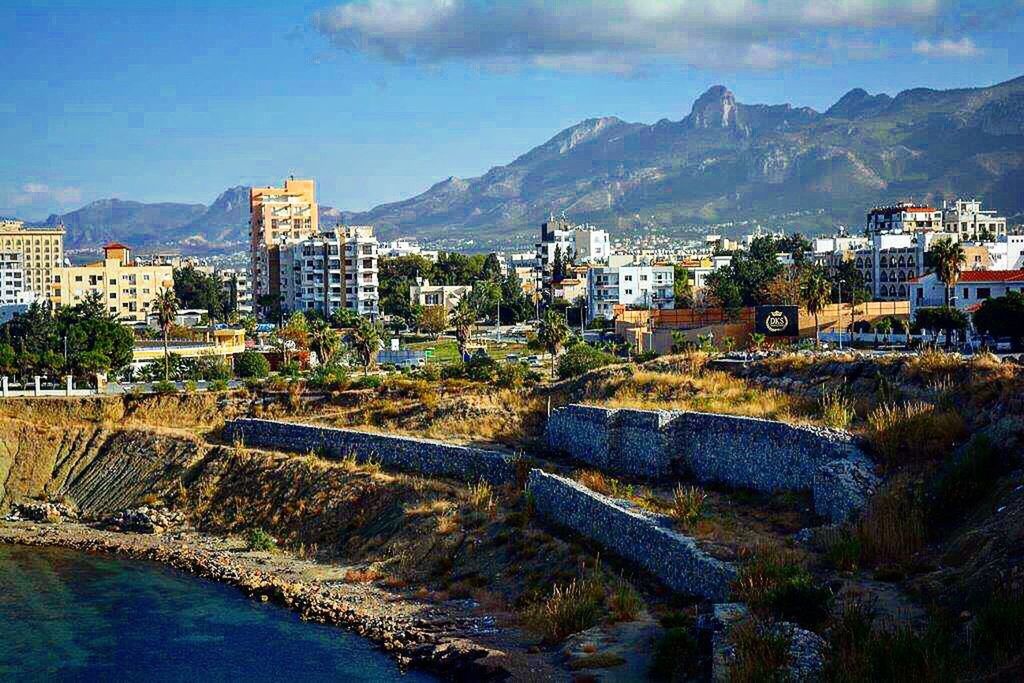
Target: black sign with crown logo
x=777, y=321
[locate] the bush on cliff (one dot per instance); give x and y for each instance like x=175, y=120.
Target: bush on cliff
x=581, y=358
x=251, y=365
x=260, y=540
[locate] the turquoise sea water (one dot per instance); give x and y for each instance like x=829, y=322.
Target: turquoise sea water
x=71, y=616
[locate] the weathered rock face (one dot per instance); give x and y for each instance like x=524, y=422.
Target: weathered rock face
x=101, y=470
x=745, y=452
x=144, y=520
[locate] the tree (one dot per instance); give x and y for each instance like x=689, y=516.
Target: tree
x=948, y=259
x=815, y=292
x=251, y=364
x=552, y=334
x=196, y=289
x=580, y=358
x=491, y=269
x=944, y=318
x=557, y=272
x=366, y=341
x=324, y=342
x=515, y=306
x=484, y=298
x=433, y=320
x=795, y=245
x=1002, y=317
x=784, y=288
x=744, y=282
x=165, y=305
x=462, y=319
x=294, y=333
x=681, y=289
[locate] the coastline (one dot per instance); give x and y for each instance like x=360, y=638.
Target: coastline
x=449, y=638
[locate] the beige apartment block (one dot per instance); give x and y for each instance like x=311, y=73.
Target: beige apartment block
x=42, y=251
x=127, y=289
x=278, y=215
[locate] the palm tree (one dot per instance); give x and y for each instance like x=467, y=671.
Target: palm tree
x=816, y=292
x=166, y=307
x=323, y=341
x=552, y=333
x=462, y=319
x=366, y=339
x=949, y=259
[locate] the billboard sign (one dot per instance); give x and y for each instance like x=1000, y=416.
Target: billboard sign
x=778, y=321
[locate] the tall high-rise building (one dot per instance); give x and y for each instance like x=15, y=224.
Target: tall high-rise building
x=42, y=250
x=277, y=216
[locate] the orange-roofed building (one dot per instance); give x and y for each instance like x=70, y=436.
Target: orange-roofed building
x=971, y=288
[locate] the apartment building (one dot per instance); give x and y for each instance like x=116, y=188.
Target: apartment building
x=237, y=287
x=966, y=218
x=903, y=217
x=331, y=271
x=584, y=243
x=13, y=289
x=642, y=286
x=127, y=289
x=277, y=216
x=42, y=250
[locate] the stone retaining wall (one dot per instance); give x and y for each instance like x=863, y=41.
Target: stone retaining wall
x=744, y=452
x=409, y=454
x=672, y=558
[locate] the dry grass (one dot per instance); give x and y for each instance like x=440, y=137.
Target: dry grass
x=448, y=523
x=430, y=508
x=836, y=409
x=892, y=529
x=762, y=652
x=687, y=504
x=624, y=602
x=568, y=609
x=362, y=575
x=913, y=432
x=481, y=497
x=710, y=391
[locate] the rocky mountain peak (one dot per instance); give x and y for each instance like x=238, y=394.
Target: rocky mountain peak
x=716, y=108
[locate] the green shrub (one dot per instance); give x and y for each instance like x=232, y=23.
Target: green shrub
x=511, y=375
x=481, y=367
x=329, y=378
x=968, y=479
x=624, y=602
x=859, y=650
x=676, y=656
x=581, y=358
x=775, y=582
x=842, y=549
x=431, y=372
x=163, y=387
x=218, y=385
x=998, y=633
x=191, y=386
x=368, y=382
x=258, y=539
x=251, y=365
x=567, y=609
x=456, y=370
x=290, y=369
x=762, y=652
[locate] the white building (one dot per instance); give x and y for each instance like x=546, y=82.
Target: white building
x=448, y=296
x=643, y=286
x=13, y=281
x=237, y=287
x=331, y=271
x=972, y=288
x=1006, y=253
x=584, y=243
x=903, y=217
x=965, y=218
x=405, y=247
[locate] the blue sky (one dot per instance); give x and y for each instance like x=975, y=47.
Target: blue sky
x=379, y=99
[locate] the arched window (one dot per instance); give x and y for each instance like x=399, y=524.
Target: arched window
x=903, y=291
x=883, y=277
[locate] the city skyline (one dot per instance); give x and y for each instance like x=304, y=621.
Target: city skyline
x=379, y=100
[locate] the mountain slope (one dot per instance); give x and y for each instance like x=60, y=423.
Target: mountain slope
x=728, y=160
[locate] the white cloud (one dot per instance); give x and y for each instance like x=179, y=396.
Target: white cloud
x=29, y=194
x=947, y=48
x=615, y=36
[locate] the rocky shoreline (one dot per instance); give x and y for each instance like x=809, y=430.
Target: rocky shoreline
x=447, y=638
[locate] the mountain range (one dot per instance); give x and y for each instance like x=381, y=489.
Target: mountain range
x=723, y=161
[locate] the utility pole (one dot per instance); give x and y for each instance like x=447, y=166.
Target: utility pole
x=497, y=320
x=841, y=314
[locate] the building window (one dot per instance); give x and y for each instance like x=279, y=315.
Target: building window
x=984, y=292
